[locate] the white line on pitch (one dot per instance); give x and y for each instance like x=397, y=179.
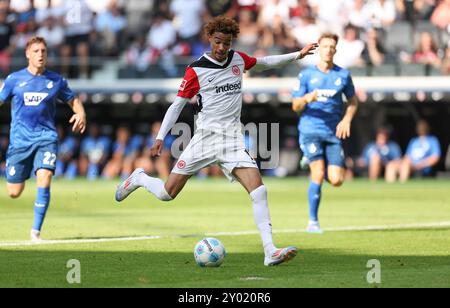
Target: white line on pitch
x=433, y=225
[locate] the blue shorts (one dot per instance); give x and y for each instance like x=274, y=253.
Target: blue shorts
x=326, y=148
x=21, y=162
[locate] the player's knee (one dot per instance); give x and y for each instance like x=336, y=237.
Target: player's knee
x=337, y=181
x=14, y=194
x=167, y=195
x=259, y=194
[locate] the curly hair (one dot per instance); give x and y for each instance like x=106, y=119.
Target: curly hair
x=222, y=25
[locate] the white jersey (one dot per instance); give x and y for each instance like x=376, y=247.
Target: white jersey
x=218, y=87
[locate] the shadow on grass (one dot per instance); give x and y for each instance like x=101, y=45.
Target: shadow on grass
x=312, y=268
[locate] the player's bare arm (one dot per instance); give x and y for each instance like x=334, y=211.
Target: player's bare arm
x=79, y=118
x=343, y=130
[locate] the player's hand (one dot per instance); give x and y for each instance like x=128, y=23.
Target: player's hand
x=308, y=50
x=157, y=148
x=79, y=123
x=312, y=97
x=343, y=130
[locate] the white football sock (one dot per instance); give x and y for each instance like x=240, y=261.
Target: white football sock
x=262, y=218
x=154, y=186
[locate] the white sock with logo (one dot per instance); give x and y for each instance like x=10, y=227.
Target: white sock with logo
x=262, y=218
x=154, y=186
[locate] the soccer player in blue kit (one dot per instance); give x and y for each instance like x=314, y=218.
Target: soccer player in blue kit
x=33, y=93
x=324, y=123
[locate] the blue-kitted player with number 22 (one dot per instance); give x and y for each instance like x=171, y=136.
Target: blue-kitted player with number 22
x=33, y=93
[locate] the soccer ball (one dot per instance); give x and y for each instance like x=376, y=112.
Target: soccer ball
x=209, y=252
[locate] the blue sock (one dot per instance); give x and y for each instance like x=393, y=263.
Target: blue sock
x=314, y=194
x=59, y=168
x=41, y=207
x=93, y=172
x=71, y=172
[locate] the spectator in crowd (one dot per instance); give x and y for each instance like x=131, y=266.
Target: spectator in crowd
x=374, y=52
x=414, y=10
x=277, y=38
x=161, y=165
x=381, y=15
x=53, y=34
x=250, y=31
x=301, y=10
x=24, y=11
x=110, y=25
x=52, y=10
x=162, y=39
x=137, y=14
x=306, y=30
x=422, y=155
x=24, y=32
x=6, y=33
x=78, y=29
x=350, y=49
x=382, y=154
x=427, y=51
x=441, y=15
x=188, y=18
x=94, y=153
x=224, y=7
x=126, y=150
x=270, y=9
x=139, y=55
x=332, y=16
x=66, y=164
x=357, y=14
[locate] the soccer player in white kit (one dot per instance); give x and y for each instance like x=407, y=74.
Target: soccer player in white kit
x=216, y=79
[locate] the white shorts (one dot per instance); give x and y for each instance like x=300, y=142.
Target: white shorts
x=208, y=148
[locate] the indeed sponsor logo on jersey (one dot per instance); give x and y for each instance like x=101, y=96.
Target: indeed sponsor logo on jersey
x=34, y=98
x=324, y=95
x=229, y=88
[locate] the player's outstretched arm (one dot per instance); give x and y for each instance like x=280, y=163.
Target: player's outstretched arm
x=343, y=130
x=79, y=118
x=169, y=121
x=270, y=62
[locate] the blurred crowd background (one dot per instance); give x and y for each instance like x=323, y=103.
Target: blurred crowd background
x=158, y=38
x=109, y=40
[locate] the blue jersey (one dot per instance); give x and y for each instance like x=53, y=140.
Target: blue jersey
x=33, y=109
x=389, y=152
x=423, y=148
x=95, y=148
x=322, y=116
x=133, y=146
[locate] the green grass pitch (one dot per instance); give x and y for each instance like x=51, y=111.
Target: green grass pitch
x=413, y=249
